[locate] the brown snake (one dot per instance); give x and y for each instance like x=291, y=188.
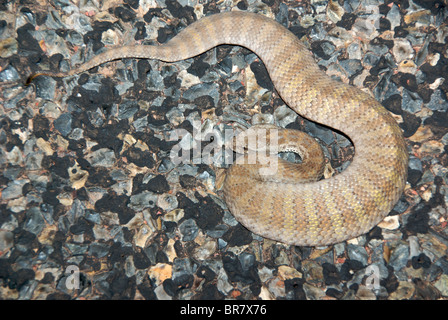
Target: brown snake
x=311, y=213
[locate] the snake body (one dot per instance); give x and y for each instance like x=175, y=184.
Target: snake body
x=312, y=213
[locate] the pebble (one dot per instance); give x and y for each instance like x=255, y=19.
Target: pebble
x=189, y=230
x=357, y=253
x=403, y=50
x=205, y=251
x=102, y=158
x=284, y=116
x=63, y=124
x=399, y=256
x=14, y=189
x=442, y=285
x=143, y=200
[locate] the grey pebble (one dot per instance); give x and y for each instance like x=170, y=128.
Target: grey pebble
x=394, y=16
x=167, y=202
x=140, y=124
x=12, y=173
x=14, y=189
x=318, y=131
x=45, y=87
x=399, y=256
x=64, y=124
x=371, y=59
x=33, y=161
x=357, y=253
x=437, y=102
x=189, y=230
x=165, y=166
x=102, y=158
x=284, y=115
x=415, y=163
x=411, y=102
x=47, y=213
x=50, y=109
x=221, y=244
x=203, y=89
x=34, y=222
x=218, y=231
x=143, y=200
x=182, y=266
x=14, y=95
x=351, y=66
x=6, y=240
x=127, y=109
x=247, y=260
x=9, y=74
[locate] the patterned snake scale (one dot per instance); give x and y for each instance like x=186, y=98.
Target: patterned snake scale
x=313, y=213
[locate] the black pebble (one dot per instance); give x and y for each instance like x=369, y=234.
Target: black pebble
x=421, y=261
x=261, y=75
x=158, y=184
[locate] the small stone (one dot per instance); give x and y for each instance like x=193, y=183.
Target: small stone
x=402, y=50
x=420, y=16
x=160, y=272
x=174, y=215
x=6, y=241
x=223, y=284
x=277, y=287
x=167, y=202
x=34, y=222
x=422, y=134
x=34, y=161
x=286, y=272
x=442, y=285
x=143, y=200
x=15, y=156
x=161, y=293
x=334, y=11
x=312, y=271
x=205, y=250
x=390, y=223
x=103, y=157
x=8, y=47
x=365, y=293
x=9, y=74
x=64, y=124
x=432, y=147
x=143, y=233
x=357, y=253
x=127, y=109
x=158, y=184
x=282, y=258
x=189, y=230
x=78, y=176
x=404, y=291
x=13, y=190
x=45, y=87
x=284, y=116
x=351, y=66
x=399, y=257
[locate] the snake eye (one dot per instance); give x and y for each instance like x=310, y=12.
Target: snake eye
x=290, y=156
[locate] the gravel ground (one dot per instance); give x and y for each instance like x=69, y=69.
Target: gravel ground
x=93, y=207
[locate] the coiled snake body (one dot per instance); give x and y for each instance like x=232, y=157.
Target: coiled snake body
x=314, y=212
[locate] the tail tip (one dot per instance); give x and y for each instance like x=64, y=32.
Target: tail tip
x=31, y=78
